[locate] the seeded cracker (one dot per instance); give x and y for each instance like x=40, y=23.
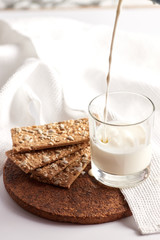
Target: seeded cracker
x=50, y=170
x=31, y=160
x=50, y=135
x=66, y=177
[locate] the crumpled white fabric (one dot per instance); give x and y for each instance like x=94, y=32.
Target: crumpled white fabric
x=50, y=70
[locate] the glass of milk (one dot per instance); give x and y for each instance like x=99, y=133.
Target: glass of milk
x=121, y=144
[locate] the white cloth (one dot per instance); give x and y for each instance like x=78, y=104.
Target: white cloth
x=54, y=76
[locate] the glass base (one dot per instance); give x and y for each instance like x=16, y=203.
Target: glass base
x=120, y=181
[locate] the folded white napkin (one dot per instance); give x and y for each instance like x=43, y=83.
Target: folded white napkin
x=52, y=73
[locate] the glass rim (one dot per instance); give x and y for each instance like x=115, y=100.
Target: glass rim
x=124, y=125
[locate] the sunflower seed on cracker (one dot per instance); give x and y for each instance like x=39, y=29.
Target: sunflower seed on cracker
x=36, y=159
x=61, y=132
x=64, y=177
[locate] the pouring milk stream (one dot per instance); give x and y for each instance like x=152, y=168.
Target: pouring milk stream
x=120, y=148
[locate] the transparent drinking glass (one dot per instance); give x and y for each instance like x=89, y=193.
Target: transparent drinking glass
x=121, y=145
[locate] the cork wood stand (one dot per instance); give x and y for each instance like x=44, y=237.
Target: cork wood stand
x=86, y=202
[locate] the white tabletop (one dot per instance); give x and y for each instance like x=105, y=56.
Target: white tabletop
x=16, y=223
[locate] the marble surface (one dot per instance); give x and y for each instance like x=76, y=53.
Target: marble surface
x=47, y=4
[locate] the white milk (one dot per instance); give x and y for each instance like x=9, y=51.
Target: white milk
x=124, y=151
x=110, y=56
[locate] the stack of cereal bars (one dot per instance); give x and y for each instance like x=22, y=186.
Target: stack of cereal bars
x=55, y=153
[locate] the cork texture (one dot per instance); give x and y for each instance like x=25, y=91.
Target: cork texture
x=86, y=202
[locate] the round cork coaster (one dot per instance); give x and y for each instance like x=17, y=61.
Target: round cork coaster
x=86, y=202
